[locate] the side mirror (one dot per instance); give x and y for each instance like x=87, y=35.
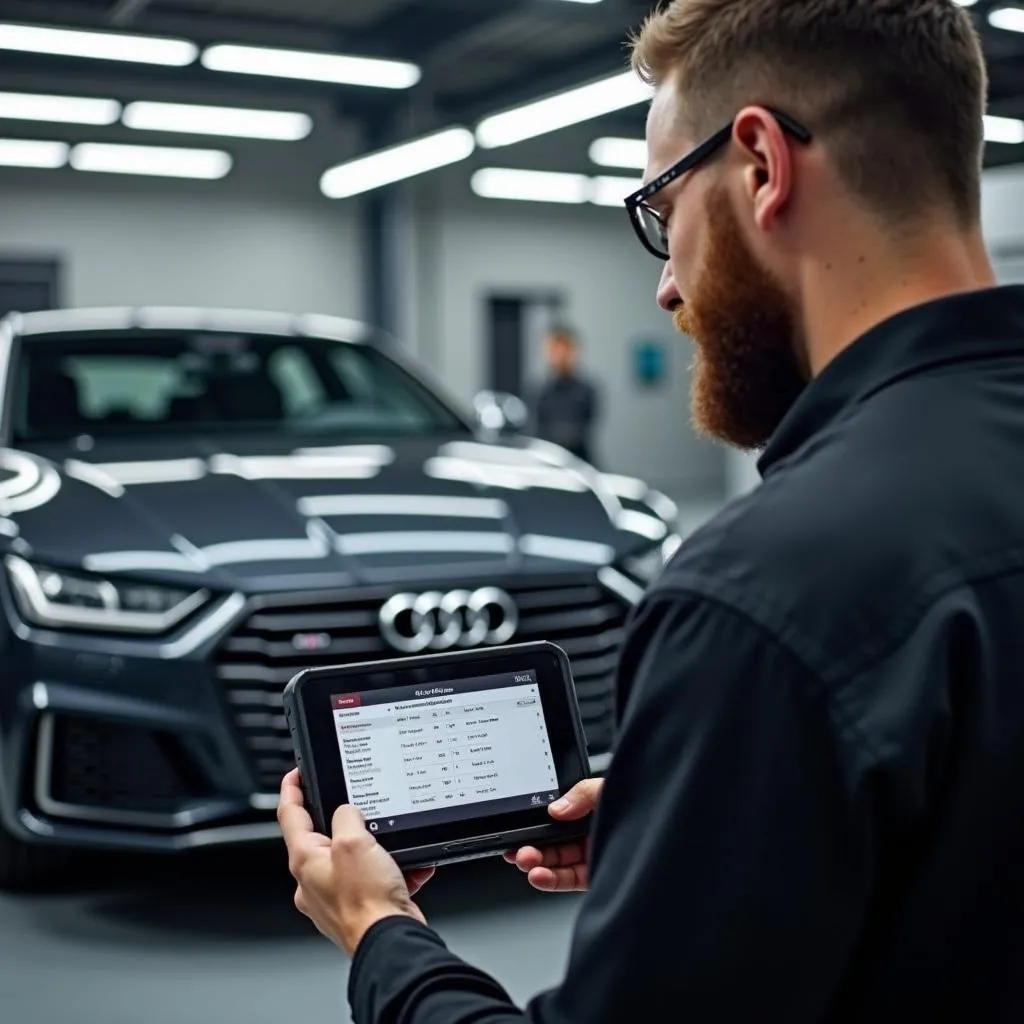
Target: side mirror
x=498, y=412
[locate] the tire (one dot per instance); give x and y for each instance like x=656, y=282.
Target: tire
x=24, y=866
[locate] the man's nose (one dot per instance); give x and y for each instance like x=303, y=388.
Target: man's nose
x=668, y=293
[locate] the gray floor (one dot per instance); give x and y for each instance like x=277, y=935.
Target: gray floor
x=215, y=940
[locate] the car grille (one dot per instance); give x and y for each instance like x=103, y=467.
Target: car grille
x=256, y=662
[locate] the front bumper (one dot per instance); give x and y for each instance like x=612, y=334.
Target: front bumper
x=113, y=743
x=121, y=743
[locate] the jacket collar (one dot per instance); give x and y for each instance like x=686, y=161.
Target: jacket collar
x=959, y=328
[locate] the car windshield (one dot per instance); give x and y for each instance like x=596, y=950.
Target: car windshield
x=160, y=383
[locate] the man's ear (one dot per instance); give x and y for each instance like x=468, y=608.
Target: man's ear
x=768, y=174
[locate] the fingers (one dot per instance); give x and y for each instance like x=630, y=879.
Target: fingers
x=415, y=880
x=291, y=813
x=348, y=824
x=528, y=857
x=580, y=801
x=568, y=879
x=566, y=855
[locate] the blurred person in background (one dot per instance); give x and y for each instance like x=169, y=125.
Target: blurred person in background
x=815, y=811
x=565, y=408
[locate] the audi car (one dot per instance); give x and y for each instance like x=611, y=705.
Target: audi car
x=197, y=504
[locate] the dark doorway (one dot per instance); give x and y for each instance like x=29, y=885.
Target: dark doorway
x=29, y=285
x=516, y=325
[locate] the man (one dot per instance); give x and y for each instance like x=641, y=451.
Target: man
x=816, y=808
x=565, y=409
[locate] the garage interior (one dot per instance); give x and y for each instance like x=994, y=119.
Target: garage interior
x=510, y=226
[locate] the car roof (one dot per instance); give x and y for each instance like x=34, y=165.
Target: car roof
x=189, y=318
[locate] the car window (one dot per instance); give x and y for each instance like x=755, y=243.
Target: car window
x=169, y=382
x=139, y=388
x=376, y=391
x=293, y=373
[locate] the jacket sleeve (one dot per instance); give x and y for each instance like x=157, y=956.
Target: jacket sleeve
x=732, y=859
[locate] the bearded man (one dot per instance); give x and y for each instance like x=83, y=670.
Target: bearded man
x=814, y=812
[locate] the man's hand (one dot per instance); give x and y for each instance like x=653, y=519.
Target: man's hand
x=348, y=883
x=563, y=868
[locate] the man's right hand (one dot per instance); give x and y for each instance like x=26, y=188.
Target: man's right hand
x=562, y=868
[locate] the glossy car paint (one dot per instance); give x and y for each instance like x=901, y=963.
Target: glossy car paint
x=253, y=519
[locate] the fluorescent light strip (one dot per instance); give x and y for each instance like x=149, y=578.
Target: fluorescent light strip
x=1008, y=130
x=194, y=119
x=24, y=106
x=151, y=161
x=612, y=191
x=63, y=42
x=630, y=154
x=33, y=153
x=441, y=542
x=551, y=187
x=566, y=549
x=563, y=109
x=397, y=163
x=336, y=68
x=1010, y=19
x=536, y=186
x=329, y=505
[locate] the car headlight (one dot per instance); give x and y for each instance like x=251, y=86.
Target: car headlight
x=70, y=600
x=647, y=566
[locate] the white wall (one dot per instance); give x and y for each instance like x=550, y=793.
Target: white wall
x=192, y=244
x=472, y=247
x=1003, y=221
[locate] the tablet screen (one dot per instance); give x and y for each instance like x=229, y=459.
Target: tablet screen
x=417, y=756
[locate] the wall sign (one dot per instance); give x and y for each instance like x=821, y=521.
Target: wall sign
x=650, y=363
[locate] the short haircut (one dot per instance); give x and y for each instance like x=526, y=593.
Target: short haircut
x=894, y=89
x=565, y=334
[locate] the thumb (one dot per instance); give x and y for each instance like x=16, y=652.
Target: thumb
x=348, y=822
x=580, y=801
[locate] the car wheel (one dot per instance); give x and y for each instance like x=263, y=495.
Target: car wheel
x=25, y=866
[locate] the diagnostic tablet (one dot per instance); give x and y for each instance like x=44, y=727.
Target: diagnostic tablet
x=449, y=756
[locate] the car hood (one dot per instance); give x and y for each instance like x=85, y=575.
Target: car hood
x=261, y=514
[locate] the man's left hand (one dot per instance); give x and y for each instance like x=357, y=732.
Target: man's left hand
x=348, y=883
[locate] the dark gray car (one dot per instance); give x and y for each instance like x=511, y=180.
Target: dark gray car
x=194, y=505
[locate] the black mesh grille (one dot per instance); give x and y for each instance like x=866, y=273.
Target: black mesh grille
x=256, y=662
x=110, y=766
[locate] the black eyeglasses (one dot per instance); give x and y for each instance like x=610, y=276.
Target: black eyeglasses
x=650, y=226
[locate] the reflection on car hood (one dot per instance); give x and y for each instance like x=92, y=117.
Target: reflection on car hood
x=262, y=515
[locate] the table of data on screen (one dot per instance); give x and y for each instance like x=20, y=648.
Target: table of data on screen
x=425, y=755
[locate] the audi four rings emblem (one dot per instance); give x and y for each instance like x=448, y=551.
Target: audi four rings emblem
x=434, y=621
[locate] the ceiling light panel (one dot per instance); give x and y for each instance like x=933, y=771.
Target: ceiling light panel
x=535, y=186
x=151, y=161
x=398, y=163
x=23, y=106
x=193, y=119
x=62, y=42
x=33, y=153
x=1010, y=19
x=1008, y=130
x=551, y=187
x=629, y=154
x=606, y=190
x=335, y=68
x=562, y=110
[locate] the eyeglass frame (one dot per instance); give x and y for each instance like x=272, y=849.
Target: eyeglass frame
x=696, y=156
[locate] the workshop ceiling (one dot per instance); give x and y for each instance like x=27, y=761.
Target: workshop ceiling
x=477, y=56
